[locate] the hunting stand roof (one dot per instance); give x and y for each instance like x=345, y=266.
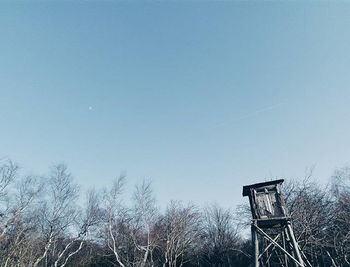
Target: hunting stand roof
x=246, y=189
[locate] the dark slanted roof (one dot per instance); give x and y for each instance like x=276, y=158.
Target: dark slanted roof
x=246, y=188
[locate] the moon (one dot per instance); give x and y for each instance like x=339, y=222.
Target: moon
x=91, y=108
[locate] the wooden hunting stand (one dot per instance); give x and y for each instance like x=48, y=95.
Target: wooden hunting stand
x=274, y=243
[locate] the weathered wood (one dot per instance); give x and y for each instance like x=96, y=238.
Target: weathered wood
x=269, y=212
x=295, y=244
x=297, y=261
x=284, y=246
x=255, y=244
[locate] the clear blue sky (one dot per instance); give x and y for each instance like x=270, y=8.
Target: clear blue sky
x=201, y=97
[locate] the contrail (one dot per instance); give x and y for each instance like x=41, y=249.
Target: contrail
x=253, y=113
x=234, y=120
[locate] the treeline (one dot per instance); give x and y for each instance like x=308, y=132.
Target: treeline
x=43, y=222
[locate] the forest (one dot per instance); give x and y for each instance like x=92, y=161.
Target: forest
x=49, y=221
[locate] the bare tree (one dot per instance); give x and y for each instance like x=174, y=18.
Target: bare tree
x=220, y=237
x=180, y=233
x=21, y=221
x=87, y=219
x=18, y=196
x=116, y=220
x=340, y=181
x=57, y=213
x=145, y=217
x=312, y=211
x=339, y=228
x=8, y=172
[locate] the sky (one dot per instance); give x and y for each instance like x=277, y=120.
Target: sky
x=201, y=97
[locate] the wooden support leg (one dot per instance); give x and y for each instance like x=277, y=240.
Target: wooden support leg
x=255, y=244
x=295, y=244
x=284, y=246
x=300, y=264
